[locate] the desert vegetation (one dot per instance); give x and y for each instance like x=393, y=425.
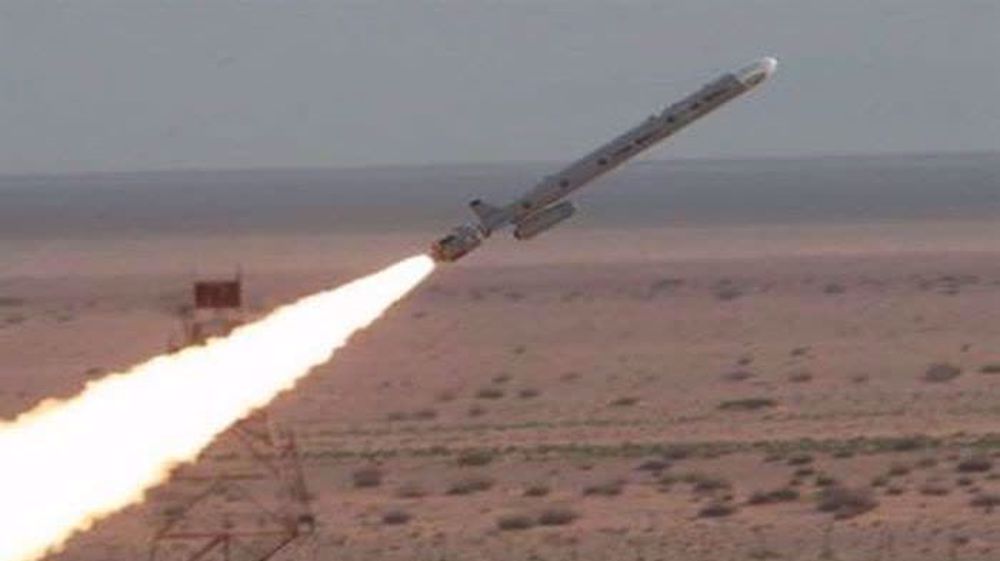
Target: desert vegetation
x=748, y=404
x=557, y=516
x=470, y=485
x=717, y=509
x=782, y=495
x=624, y=401
x=976, y=463
x=537, y=490
x=396, y=517
x=940, y=372
x=990, y=368
x=411, y=491
x=475, y=457
x=490, y=393
x=785, y=422
x=368, y=476
x=609, y=488
x=511, y=522
x=552, y=516
x=846, y=502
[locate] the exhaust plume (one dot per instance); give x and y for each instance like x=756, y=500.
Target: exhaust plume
x=66, y=464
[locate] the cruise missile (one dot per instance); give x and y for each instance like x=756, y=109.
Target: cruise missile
x=545, y=205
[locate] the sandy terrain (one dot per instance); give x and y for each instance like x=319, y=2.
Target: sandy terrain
x=664, y=394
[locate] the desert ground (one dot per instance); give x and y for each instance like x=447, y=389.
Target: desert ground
x=799, y=392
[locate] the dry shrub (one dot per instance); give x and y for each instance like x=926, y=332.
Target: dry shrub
x=800, y=376
x=703, y=483
x=475, y=458
x=626, y=401
x=975, y=464
x=515, y=522
x=846, y=502
x=783, y=495
x=677, y=452
x=537, y=490
x=470, y=485
x=727, y=293
x=611, y=488
x=717, y=509
x=803, y=472
x=825, y=480
x=986, y=501
x=172, y=511
x=935, y=489
x=834, y=288
x=489, y=393
x=991, y=368
x=410, y=491
x=665, y=481
x=898, y=469
x=446, y=395
x=800, y=459
x=424, y=414
x=528, y=393
x=396, y=517
x=748, y=404
x=909, y=443
x=369, y=476
x=557, y=517
x=665, y=285
x=737, y=375
x=569, y=376
x=941, y=372
x=654, y=466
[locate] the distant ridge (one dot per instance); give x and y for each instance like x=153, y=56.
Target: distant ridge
x=653, y=192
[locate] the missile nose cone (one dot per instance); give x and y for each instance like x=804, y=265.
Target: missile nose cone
x=768, y=64
x=757, y=72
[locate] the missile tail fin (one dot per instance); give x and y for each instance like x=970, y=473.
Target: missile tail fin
x=490, y=217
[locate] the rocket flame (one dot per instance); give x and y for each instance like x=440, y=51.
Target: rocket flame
x=66, y=464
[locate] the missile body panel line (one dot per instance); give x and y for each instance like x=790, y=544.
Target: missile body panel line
x=642, y=137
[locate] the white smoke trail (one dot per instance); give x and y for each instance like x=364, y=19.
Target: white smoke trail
x=66, y=464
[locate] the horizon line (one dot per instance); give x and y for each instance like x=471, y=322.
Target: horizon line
x=486, y=163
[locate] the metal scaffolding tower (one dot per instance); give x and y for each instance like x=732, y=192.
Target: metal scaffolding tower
x=246, y=498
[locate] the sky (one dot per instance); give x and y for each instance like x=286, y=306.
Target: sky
x=127, y=85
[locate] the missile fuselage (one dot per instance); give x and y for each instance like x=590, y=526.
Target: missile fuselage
x=544, y=206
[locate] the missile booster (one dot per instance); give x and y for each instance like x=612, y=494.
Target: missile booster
x=544, y=206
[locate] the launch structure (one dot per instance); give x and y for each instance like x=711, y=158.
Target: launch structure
x=215, y=310
x=246, y=498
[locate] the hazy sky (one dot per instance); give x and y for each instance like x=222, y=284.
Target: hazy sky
x=138, y=84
